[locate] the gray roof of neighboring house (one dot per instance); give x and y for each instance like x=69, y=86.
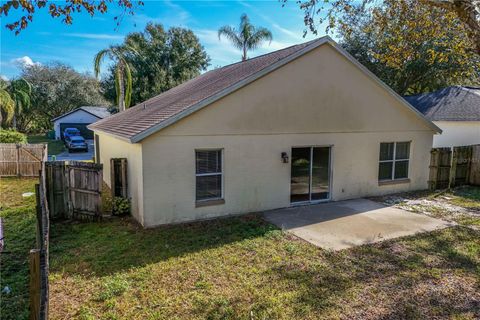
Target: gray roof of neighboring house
x=449, y=104
x=146, y=118
x=99, y=112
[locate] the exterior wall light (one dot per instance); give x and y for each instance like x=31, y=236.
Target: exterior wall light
x=284, y=157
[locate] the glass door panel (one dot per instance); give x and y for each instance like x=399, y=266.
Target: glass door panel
x=320, y=173
x=300, y=175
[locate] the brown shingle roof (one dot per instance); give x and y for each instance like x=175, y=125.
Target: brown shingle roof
x=158, y=109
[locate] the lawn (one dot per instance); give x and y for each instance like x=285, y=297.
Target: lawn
x=54, y=146
x=245, y=268
x=18, y=214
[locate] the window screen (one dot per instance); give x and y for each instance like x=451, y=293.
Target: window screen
x=394, y=160
x=208, y=174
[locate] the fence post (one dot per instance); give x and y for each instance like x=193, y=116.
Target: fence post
x=34, y=284
x=18, y=160
x=433, y=169
x=39, y=215
x=453, y=168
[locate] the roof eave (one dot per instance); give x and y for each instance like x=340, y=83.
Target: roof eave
x=95, y=130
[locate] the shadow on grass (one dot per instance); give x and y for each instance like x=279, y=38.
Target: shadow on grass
x=411, y=278
x=109, y=247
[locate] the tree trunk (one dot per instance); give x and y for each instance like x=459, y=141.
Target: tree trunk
x=14, y=122
x=244, y=56
x=121, y=98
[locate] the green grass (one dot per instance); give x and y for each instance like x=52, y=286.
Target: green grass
x=54, y=146
x=18, y=214
x=245, y=268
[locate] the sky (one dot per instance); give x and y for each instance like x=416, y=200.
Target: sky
x=47, y=39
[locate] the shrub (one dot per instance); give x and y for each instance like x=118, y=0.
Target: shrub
x=12, y=136
x=120, y=206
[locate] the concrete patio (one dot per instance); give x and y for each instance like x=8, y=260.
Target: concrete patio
x=344, y=224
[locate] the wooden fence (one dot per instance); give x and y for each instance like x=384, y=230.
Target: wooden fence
x=22, y=160
x=38, y=257
x=455, y=166
x=74, y=189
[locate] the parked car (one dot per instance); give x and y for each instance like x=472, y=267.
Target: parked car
x=75, y=143
x=71, y=132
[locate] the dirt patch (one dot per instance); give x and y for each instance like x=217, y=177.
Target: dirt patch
x=453, y=206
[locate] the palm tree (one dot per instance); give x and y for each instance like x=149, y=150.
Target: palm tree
x=7, y=105
x=19, y=91
x=123, y=74
x=248, y=37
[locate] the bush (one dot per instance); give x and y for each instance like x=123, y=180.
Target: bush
x=12, y=136
x=120, y=206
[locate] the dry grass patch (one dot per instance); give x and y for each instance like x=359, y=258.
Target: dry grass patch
x=460, y=205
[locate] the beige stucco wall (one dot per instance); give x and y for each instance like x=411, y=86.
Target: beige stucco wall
x=111, y=147
x=319, y=99
x=457, y=133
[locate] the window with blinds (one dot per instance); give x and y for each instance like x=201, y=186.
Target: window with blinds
x=394, y=160
x=208, y=174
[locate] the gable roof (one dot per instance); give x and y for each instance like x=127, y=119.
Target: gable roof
x=146, y=118
x=449, y=104
x=99, y=112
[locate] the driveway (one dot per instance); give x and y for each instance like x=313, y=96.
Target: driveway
x=76, y=155
x=344, y=224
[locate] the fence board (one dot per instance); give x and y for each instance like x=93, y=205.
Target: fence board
x=74, y=189
x=21, y=159
x=455, y=166
x=474, y=177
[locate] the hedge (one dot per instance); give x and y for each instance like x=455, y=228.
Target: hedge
x=12, y=136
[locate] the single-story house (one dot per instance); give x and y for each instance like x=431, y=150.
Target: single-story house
x=297, y=126
x=455, y=110
x=79, y=118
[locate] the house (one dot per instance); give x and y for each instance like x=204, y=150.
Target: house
x=297, y=126
x=79, y=118
x=455, y=110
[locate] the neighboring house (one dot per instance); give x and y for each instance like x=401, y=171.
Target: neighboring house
x=456, y=110
x=301, y=125
x=79, y=118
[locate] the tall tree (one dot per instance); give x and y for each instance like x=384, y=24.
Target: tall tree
x=122, y=73
x=26, y=10
x=412, y=48
x=20, y=91
x=163, y=59
x=56, y=89
x=247, y=37
x=332, y=12
x=7, y=105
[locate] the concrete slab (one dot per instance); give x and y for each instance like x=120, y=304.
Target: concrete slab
x=344, y=224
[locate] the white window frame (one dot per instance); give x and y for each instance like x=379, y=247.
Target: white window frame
x=394, y=160
x=210, y=174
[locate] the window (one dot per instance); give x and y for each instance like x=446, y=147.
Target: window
x=208, y=174
x=394, y=158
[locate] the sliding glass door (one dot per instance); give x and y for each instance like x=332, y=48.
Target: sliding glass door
x=310, y=174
